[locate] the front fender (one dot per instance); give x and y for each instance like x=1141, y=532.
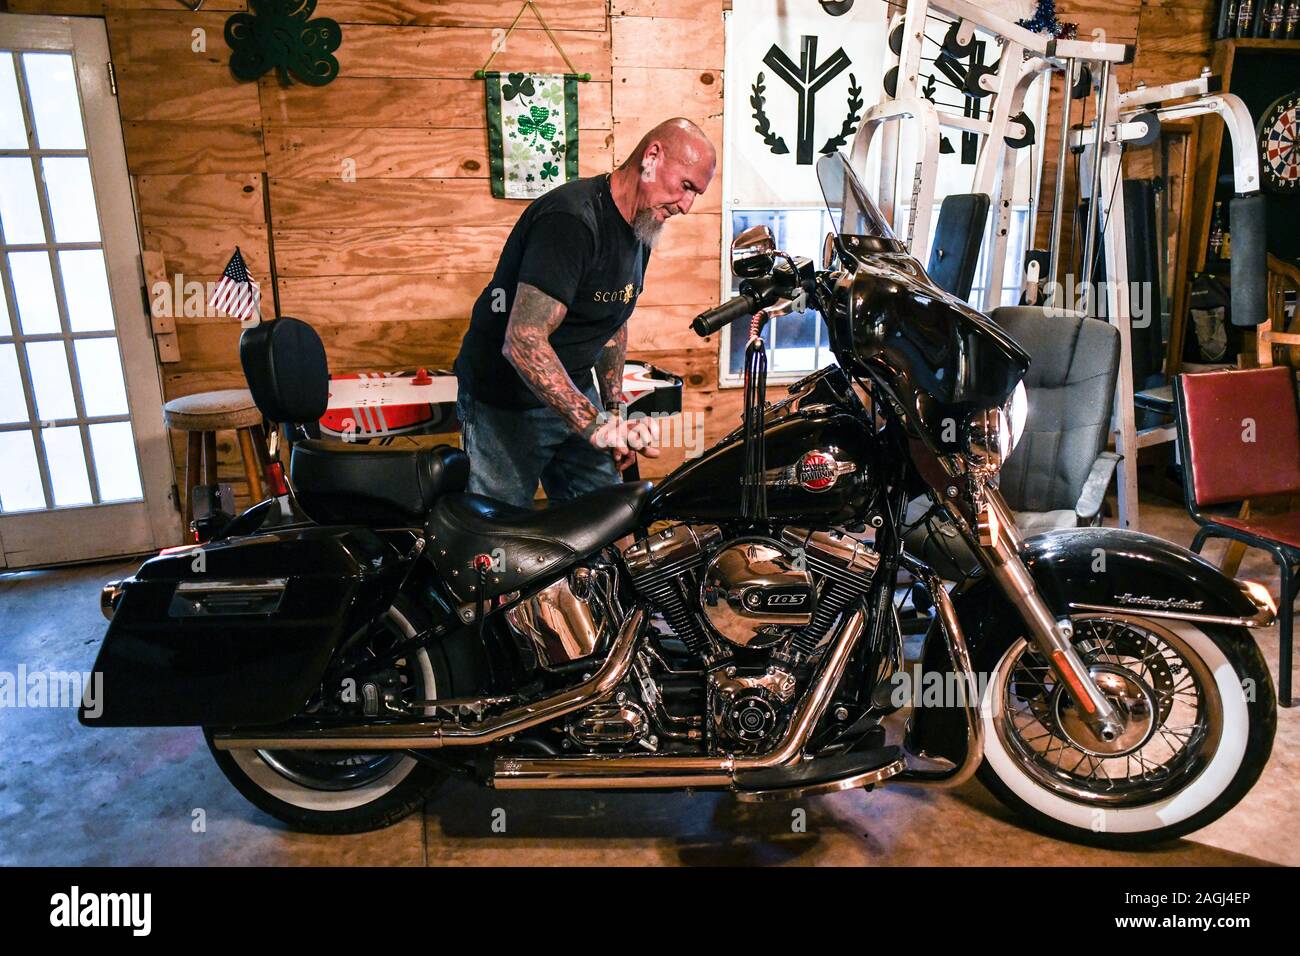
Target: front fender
x=1080, y=571
x=1109, y=569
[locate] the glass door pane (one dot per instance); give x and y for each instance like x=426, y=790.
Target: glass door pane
x=66, y=437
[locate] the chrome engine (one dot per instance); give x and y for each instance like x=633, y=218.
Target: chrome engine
x=749, y=612
x=753, y=589
x=753, y=610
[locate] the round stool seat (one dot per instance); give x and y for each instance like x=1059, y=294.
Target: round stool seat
x=212, y=411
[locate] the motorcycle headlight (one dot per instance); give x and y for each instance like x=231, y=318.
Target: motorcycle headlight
x=1016, y=411
x=993, y=434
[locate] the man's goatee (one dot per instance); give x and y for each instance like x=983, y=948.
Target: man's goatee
x=646, y=227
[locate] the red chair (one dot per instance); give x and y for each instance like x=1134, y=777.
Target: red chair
x=1239, y=438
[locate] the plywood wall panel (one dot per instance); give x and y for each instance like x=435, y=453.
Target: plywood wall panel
x=215, y=197
x=173, y=38
x=350, y=347
x=673, y=281
x=695, y=235
x=402, y=153
x=412, y=203
x=455, y=53
x=203, y=248
x=417, y=102
x=657, y=327
x=190, y=94
x=66, y=8
x=644, y=96
x=189, y=147
x=559, y=14
x=388, y=250
x=681, y=9
x=390, y=298
x=667, y=43
x=168, y=6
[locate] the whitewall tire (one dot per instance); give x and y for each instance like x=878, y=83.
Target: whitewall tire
x=1235, y=740
x=337, y=791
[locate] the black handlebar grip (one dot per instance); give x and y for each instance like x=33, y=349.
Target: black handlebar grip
x=706, y=323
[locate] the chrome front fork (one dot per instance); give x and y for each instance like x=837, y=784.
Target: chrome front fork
x=1000, y=545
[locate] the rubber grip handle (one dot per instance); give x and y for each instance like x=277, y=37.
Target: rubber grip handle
x=706, y=323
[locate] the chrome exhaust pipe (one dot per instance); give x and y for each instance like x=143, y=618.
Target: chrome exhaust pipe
x=431, y=734
x=644, y=771
x=960, y=655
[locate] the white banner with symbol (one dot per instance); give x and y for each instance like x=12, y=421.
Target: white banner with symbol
x=798, y=82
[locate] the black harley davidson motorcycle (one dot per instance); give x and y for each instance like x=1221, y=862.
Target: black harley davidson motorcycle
x=349, y=643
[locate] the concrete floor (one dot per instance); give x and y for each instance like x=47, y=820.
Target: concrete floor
x=72, y=796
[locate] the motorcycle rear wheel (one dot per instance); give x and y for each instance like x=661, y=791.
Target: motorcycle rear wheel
x=1212, y=717
x=337, y=792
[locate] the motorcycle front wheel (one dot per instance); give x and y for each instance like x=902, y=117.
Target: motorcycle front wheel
x=332, y=791
x=1199, y=712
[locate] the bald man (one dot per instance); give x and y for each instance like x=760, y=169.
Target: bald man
x=540, y=369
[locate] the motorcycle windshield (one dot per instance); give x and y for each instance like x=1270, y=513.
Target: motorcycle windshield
x=852, y=209
x=933, y=342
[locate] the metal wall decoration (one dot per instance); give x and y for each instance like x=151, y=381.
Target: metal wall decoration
x=281, y=34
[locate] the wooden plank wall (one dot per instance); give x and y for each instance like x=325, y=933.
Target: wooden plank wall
x=383, y=226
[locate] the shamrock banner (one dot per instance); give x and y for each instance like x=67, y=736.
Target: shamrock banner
x=532, y=121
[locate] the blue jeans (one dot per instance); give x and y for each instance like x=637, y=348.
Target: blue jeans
x=511, y=449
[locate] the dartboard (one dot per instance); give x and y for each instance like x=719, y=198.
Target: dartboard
x=1279, y=144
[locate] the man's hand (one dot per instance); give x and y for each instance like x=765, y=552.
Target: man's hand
x=624, y=438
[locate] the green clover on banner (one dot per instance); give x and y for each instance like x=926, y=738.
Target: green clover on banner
x=553, y=94
x=534, y=123
x=517, y=84
x=549, y=170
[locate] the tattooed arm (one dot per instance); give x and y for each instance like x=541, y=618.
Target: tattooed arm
x=609, y=368
x=527, y=347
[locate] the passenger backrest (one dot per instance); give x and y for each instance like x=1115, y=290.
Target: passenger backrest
x=284, y=363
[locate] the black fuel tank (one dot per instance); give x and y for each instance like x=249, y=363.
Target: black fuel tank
x=821, y=465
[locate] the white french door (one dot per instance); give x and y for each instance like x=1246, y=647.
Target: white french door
x=85, y=471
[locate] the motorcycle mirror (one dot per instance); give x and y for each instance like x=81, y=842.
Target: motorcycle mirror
x=753, y=253
x=830, y=253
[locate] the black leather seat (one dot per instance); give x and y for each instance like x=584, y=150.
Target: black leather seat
x=340, y=482
x=528, y=542
x=398, y=484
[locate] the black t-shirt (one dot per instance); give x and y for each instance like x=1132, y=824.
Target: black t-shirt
x=574, y=245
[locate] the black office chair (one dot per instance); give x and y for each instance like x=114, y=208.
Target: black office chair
x=1059, y=472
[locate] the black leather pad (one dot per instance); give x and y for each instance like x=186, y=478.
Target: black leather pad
x=1246, y=220
x=529, y=542
x=957, y=237
x=284, y=363
x=345, y=482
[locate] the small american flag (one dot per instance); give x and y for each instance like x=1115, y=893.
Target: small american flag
x=237, y=294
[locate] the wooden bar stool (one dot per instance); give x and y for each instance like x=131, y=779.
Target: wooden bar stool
x=201, y=416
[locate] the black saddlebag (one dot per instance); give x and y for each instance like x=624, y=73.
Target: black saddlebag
x=239, y=631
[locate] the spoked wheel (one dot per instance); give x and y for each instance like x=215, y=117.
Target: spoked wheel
x=1197, y=709
x=331, y=791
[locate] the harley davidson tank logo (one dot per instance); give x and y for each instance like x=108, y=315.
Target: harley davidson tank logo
x=815, y=471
